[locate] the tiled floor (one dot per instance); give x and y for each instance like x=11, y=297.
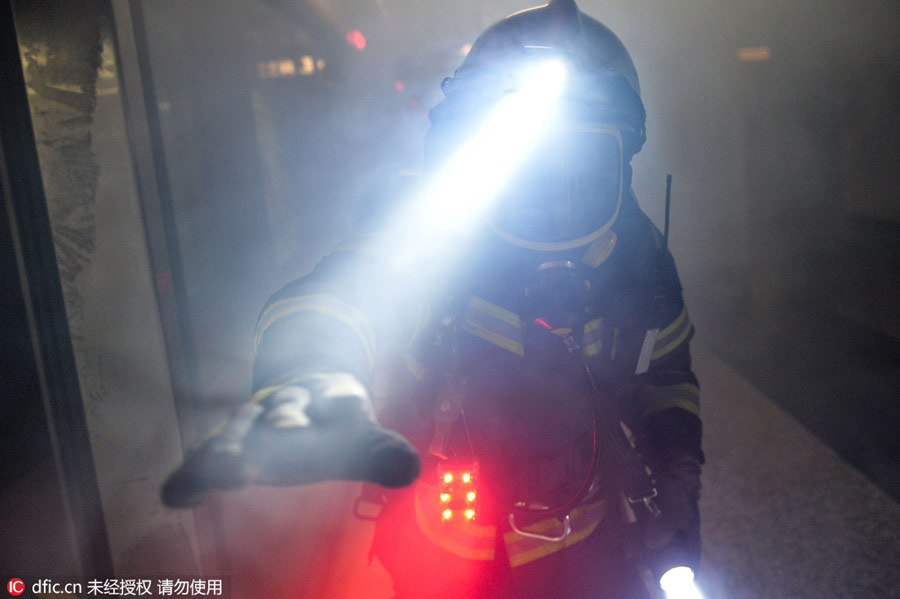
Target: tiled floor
x=784, y=515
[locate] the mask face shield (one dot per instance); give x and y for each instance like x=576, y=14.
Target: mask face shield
x=566, y=190
x=566, y=193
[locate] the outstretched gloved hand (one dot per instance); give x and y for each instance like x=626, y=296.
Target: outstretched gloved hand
x=320, y=429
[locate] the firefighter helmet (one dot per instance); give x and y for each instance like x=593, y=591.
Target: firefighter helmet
x=571, y=190
x=559, y=24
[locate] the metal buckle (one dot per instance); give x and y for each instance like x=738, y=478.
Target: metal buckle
x=648, y=502
x=567, y=523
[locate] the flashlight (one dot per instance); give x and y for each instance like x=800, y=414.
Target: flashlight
x=678, y=583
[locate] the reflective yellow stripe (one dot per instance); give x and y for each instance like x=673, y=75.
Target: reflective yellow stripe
x=548, y=548
x=683, y=395
x=550, y=524
x=494, y=324
x=584, y=521
x=324, y=304
x=675, y=402
x=675, y=324
x=673, y=335
x=593, y=325
x=594, y=348
x=667, y=349
x=497, y=339
x=265, y=392
x=495, y=311
x=593, y=343
x=667, y=390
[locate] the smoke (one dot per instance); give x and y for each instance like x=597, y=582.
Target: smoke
x=781, y=165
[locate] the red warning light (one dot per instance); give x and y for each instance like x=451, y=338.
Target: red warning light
x=356, y=39
x=543, y=323
x=399, y=86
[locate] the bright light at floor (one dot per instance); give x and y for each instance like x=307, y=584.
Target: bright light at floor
x=678, y=583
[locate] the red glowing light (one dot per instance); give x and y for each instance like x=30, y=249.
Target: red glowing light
x=399, y=86
x=356, y=39
x=543, y=323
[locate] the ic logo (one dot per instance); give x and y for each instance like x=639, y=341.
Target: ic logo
x=15, y=586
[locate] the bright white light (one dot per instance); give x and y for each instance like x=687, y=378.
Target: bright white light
x=678, y=583
x=457, y=195
x=461, y=190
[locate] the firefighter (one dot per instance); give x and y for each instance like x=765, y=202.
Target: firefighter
x=543, y=385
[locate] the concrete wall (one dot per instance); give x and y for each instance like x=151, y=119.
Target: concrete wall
x=107, y=283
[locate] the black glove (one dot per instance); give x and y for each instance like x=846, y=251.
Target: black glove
x=320, y=429
x=673, y=536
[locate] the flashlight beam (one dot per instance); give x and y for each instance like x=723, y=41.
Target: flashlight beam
x=480, y=169
x=460, y=192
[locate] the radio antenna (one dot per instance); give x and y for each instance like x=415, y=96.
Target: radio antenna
x=668, y=203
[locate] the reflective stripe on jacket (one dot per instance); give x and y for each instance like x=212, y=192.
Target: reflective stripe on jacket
x=582, y=522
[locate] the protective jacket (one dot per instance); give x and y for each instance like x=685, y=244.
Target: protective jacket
x=522, y=357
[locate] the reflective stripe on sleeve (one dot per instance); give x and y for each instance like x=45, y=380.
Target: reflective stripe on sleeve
x=322, y=303
x=683, y=395
x=673, y=335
